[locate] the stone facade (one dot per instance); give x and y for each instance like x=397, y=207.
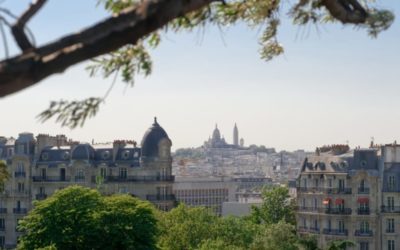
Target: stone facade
x=353, y=195
x=40, y=167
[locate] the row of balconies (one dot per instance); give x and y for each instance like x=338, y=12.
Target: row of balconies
x=123, y=178
x=341, y=211
x=329, y=190
x=342, y=232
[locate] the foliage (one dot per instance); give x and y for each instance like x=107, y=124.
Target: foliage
x=4, y=175
x=276, y=207
x=185, y=228
x=80, y=218
x=279, y=236
x=340, y=244
x=264, y=15
x=195, y=228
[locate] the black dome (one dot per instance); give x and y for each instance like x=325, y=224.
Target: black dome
x=151, y=139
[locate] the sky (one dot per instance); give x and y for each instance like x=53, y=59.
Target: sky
x=334, y=84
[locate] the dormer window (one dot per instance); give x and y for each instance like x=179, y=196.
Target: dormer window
x=363, y=163
x=65, y=155
x=45, y=156
x=125, y=154
x=105, y=155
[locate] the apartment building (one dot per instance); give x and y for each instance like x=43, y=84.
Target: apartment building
x=41, y=166
x=352, y=195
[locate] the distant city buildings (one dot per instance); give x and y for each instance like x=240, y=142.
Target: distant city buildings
x=351, y=195
x=40, y=166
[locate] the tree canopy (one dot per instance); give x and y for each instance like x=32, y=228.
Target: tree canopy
x=120, y=43
x=80, y=218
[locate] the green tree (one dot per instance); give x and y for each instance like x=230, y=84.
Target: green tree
x=276, y=206
x=4, y=175
x=185, y=228
x=133, y=27
x=340, y=244
x=279, y=236
x=80, y=218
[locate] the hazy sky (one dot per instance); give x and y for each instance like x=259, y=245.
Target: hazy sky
x=334, y=84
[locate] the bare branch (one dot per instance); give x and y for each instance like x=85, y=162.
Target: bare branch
x=18, y=29
x=128, y=27
x=346, y=11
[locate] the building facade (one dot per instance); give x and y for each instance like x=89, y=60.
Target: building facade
x=352, y=195
x=39, y=167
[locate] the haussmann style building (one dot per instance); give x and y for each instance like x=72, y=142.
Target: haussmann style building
x=40, y=166
x=345, y=194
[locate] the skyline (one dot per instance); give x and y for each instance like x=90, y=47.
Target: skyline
x=331, y=86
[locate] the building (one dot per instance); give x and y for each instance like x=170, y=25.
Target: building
x=351, y=194
x=243, y=206
x=209, y=192
x=218, y=141
x=40, y=167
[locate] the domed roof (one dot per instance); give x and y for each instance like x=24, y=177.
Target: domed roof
x=151, y=139
x=216, y=134
x=82, y=152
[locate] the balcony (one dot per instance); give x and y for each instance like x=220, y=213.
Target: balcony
x=19, y=174
x=308, y=209
x=390, y=231
x=308, y=230
x=79, y=178
x=342, y=232
x=342, y=211
x=390, y=209
x=50, y=179
x=41, y=196
x=363, y=211
x=159, y=197
x=363, y=190
x=20, y=211
x=324, y=190
x=390, y=189
x=3, y=210
x=363, y=233
x=129, y=178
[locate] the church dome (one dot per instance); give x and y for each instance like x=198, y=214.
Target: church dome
x=216, y=134
x=151, y=139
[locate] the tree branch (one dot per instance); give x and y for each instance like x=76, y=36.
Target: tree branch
x=18, y=29
x=128, y=27
x=346, y=11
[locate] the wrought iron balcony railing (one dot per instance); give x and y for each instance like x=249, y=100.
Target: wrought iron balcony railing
x=343, y=211
x=135, y=178
x=41, y=196
x=390, y=209
x=343, y=232
x=363, y=211
x=19, y=174
x=20, y=210
x=363, y=233
x=363, y=190
x=51, y=178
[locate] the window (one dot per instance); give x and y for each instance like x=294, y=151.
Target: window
x=390, y=225
x=123, y=190
x=20, y=167
x=364, y=227
x=316, y=224
x=392, y=182
x=341, y=226
x=391, y=245
x=103, y=172
x=316, y=183
x=341, y=184
x=330, y=183
x=2, y=241
x=390, y=202
x=364, y=246
x=304, y=223
x=123, y=173
x=303, y=203
x=42, y=190
x=305, y=183
x=21, y=187
x=2, y=223
x=329, y=225
x=43, y=173
x=315, y=203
